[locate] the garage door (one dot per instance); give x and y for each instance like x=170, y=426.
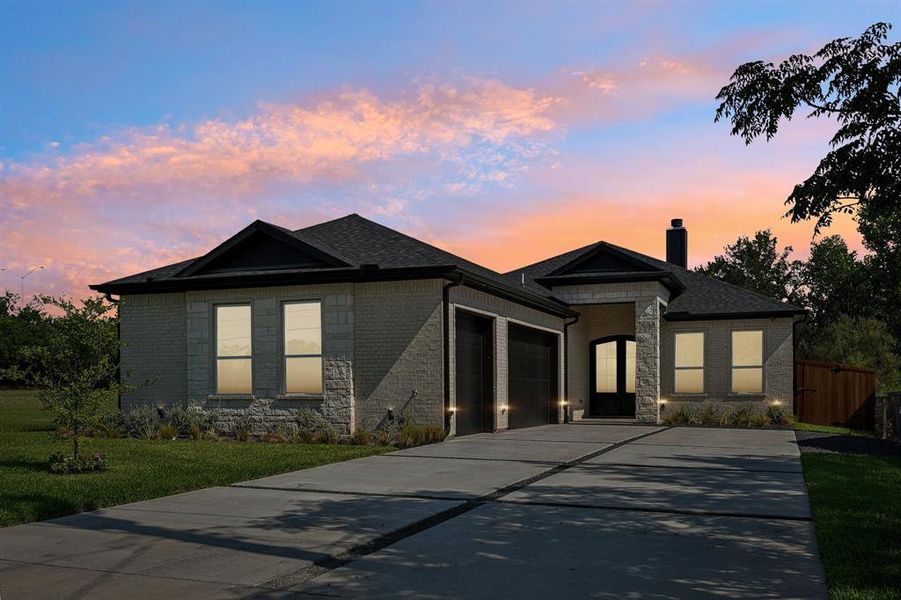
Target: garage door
x=533, y=386
x=474, y=367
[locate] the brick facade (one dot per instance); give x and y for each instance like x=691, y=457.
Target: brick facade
x=383, y=349
x=778, y=356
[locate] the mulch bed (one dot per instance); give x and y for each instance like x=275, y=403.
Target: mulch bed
x=812, y=441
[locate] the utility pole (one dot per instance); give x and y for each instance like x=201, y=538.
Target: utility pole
x=22, y=277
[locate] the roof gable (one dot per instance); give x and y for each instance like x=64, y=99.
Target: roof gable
x=258, y=247
x=603, y=258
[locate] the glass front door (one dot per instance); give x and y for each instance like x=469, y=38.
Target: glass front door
x=612, y=385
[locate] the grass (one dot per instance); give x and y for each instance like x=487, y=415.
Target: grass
x=831, y=429
x=139, y=469
x=856, y=502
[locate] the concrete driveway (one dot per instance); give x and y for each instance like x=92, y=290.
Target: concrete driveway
x=579, y=510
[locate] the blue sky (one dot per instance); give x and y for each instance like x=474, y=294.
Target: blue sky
x=598, y=115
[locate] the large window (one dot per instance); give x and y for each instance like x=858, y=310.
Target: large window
x=689, y=377
x=303, y=348
x=747, y=362
x=233, y=350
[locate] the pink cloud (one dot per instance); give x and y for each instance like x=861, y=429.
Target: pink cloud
x=145, y=197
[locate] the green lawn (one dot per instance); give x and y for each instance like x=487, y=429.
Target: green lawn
x=856, y=503
x=139, y=469
x=831, y=429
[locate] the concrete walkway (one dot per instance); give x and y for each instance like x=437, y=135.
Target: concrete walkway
x=579, y=510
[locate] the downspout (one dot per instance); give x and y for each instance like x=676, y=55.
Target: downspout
x=566, y=325
x=111, y=300
x=456, y=280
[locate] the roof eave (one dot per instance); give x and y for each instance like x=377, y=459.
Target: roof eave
x=179, y=284
x=664, y=277
x=183, y=284
x=512, y=293
x=720, y=316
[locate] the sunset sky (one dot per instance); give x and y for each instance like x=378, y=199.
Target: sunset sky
x=133, y=135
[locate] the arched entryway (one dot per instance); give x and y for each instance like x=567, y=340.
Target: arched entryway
x=612, y=377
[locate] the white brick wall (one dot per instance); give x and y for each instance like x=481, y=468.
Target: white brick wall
x=154, y=348
x=398, y=338
x=778, y=358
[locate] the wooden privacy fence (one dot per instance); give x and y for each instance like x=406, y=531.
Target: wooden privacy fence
x=831, y=394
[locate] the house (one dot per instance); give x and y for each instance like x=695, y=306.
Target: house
x=363, y=324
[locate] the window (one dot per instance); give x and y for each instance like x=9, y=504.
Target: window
x=747, y=362
x=303, y=348
x=233, y=350
x=689, y=361
x=605, y=368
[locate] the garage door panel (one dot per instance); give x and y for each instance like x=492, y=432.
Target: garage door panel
x=474, y=381
x=533, y=383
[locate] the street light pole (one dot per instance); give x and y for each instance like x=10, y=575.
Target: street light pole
x=22, y=291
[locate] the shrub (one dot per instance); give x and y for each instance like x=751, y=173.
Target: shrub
x=409, y=434
x=384, y=437
x=280, y=433
x=196, y=432
x=741, y=416
x=328, y=436
x=110, y=424
x=312, y=427
x=708, y=414
x=433, y=434
x=758, y=420
x=680, y=416
x=69, y=465
x=142, y=422
x=180, y=417
x=242, y=428
x=167, y=431
x=361, y=436
x=776, y=413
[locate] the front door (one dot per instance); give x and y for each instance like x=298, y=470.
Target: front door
x=612, y=367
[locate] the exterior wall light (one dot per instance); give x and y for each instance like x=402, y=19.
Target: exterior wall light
x=662, y=401
x=563, y=403
x=504, y=408
x=776, y=402
x=452, y=409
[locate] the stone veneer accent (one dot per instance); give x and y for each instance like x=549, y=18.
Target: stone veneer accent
x=648, y=299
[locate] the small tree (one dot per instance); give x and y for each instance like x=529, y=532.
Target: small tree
x=75, y=367
x=756, y=264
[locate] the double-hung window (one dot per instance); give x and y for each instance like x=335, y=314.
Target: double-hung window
x=747, y=362
x=233, y=350
x=303, y=347
x=689, y=363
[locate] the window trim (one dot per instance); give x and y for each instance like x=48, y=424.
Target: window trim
x=761, y=366
x=284, y=351
x=215, y=351
x=702, y=368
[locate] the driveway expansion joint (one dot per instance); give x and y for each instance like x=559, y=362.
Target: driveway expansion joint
x=340, y=559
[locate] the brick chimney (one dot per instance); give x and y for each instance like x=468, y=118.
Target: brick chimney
x=677, y=244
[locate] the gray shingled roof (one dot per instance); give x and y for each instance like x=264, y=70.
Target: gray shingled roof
x=359, y=242
x=356, y=241
x=702, y=296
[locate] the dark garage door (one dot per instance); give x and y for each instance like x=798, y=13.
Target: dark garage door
x=533, y=386
x=474, y=367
